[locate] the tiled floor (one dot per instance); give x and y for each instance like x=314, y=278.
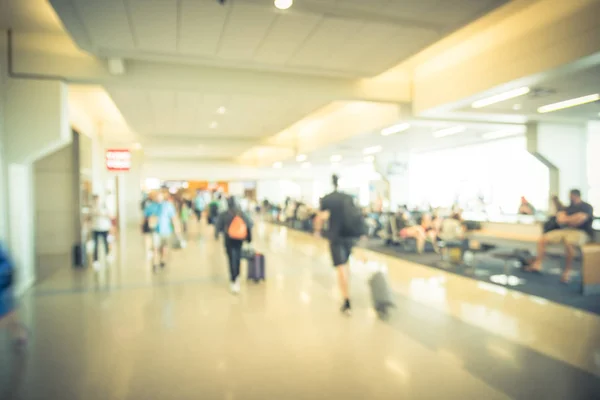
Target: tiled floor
x=125, y=333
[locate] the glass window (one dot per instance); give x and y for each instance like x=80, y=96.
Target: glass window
x=492, y=175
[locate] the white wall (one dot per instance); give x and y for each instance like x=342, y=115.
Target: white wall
x=36, y=119
x=130, y=192
x=565, y=147
x=21, y=213
x=54, y=204
x=593, y=165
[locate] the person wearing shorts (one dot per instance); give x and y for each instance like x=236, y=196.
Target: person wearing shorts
x=575, y=230
x=167, y=223
x=339, y=246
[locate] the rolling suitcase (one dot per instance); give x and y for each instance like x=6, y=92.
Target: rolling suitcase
x=381, y=293
x=256, y=267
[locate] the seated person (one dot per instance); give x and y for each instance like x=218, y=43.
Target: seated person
x=421, y=232
x=452, y=229
x=526, y=208
x=575, y=229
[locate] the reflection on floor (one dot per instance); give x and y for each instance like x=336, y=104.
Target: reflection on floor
x=125, y=333
x=489, y=269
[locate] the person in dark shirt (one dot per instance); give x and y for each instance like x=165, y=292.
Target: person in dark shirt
x=332, y=208
x=575, y=229
x=233, y=247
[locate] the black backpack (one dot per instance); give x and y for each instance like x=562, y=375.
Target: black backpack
x=353, y=225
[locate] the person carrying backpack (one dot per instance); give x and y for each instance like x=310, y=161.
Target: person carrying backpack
x=237, y=227
x=346, y=226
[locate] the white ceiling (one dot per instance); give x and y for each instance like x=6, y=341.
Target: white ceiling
x=190, y=114
x=418, y=138
x=556, y=89
x=342, y=37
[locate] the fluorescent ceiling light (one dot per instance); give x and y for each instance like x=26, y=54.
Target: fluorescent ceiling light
x=517, y=107
x=569, y=103
x=277, y=165
x=301, y=157
x=336, y=158
x=373, y=150
x=394, y=129
x=221, y=110
x=449, y=131
x=500, y=134
x=213, y=125
x=511, y=94
x=369, y=159
x=283, y=4
x=306, y=165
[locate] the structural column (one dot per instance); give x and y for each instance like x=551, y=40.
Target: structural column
x=562, y=148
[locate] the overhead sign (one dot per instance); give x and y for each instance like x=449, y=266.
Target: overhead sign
x=118, y=160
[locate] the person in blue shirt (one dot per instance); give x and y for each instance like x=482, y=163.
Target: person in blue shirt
x=163, y=222
x=199, y=205
x=8, y=313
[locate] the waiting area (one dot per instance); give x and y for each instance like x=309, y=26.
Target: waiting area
x=493, y=249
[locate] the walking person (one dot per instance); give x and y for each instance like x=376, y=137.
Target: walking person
x=237, y=228
x=101, y=226
x=345, y=229
x=185, y=215
x=199, y=205
x=8, y=313
x=163, y=223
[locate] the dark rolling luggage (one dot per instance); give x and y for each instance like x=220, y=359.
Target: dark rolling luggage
x=381, y=293
x=256, y=267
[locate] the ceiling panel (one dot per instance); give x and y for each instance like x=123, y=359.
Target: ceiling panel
x=331, y=34
x=287, y=34
x=154, y=24
x=107, y=22
x=245, y=29
x=190, y=114
x=390, y=52
x=332, y=37
x=201, y=26
x=371, y=36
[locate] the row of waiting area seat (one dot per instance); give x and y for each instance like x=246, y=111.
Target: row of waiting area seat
x=512, y=239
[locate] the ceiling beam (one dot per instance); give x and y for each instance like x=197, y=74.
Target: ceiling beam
x=38, y=55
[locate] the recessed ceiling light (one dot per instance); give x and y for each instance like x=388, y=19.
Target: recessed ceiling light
x=394, y=129
x=373, y=150
x=283, y=4
x=449, y=131
x=336, y=158
x=517, y=107
x=306, y=165
x=137, y=146
x=369, y=159
x=301, y=157
x=277, y=165
x=511, y=94
x=500, y=134
x=221, y=110
x=213, y=125
x=569, y=103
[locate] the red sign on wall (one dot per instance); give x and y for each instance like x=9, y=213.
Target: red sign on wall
x=118, y=160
